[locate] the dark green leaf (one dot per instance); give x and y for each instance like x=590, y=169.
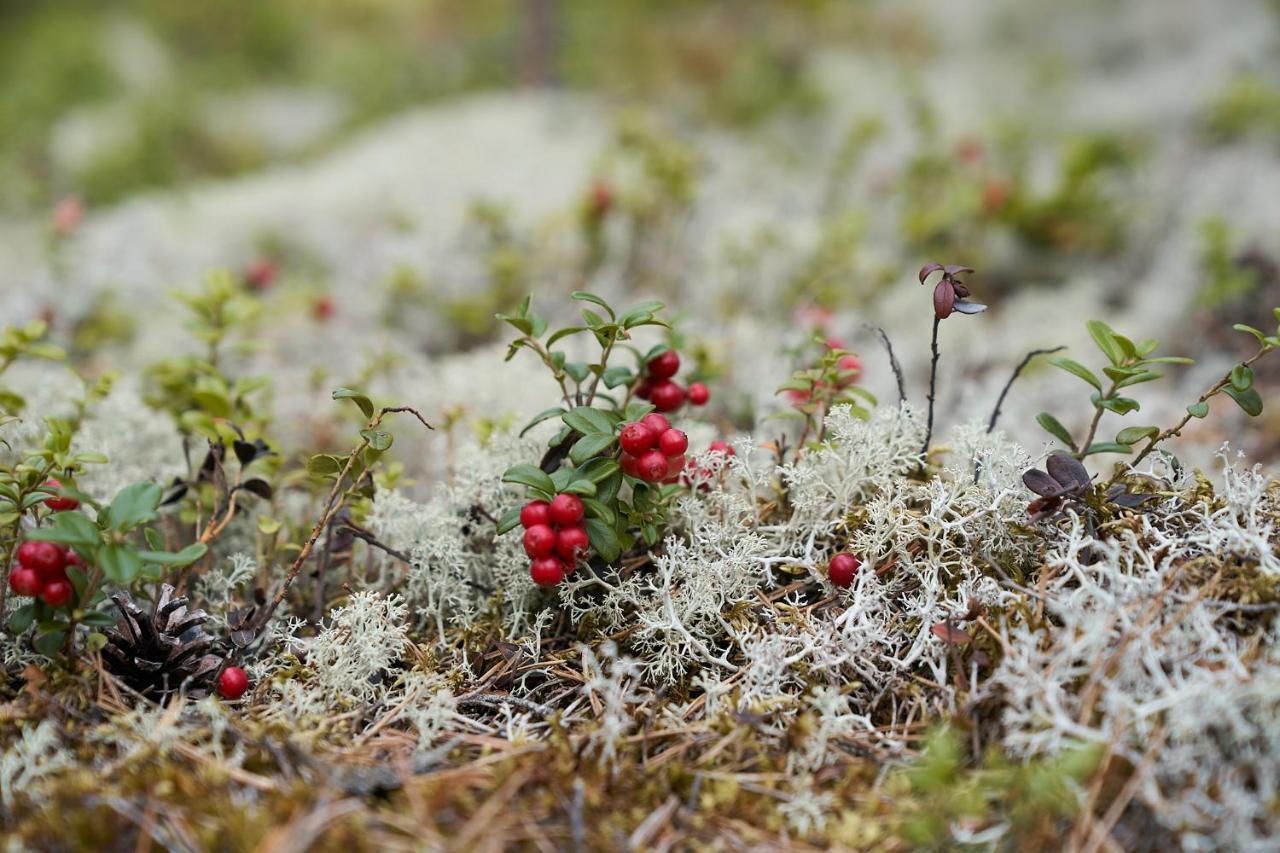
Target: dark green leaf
x=1242, y=377
x=596, y=509
x=584, y=296
x=615, y=376
x=584, y=488
x=323, y=464
x=1055, y=428
x=120, y=563
x=1248, y=400
x=603, y=539
x=578, y=370
x=1132, y=435
x=1108, y=447
x=588, y=421
x=510, y=520
x=50, y=644
x=365, y=404
x=544, y=415
x=1119, y=405
x=133, y=505
x=68, y=528
x=1078, y=369
x=529, y=475
x=185, y=557
x=98, y=619
x=22, y=618
x=589, y=446
x=1105, y=338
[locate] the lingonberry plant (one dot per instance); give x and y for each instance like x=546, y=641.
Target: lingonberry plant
x=829, y=380
x=609, y=472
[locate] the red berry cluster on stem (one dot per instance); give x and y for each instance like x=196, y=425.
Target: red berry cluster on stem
x=42, y=571
x=652, y=450
x=554, y=537
x=660, y=388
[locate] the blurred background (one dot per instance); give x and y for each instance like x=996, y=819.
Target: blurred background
x=382, y=176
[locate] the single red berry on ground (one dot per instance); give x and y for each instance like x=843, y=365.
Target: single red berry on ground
x=636, y=438
x=539, y=540
x=566, y=509
x=232, y=682
x=664, y=366
x=842, y=568
x=56, y=593
x=571, y=543
x=47, y=559
x=673, y=442
x=699, y=394
x=24, y=581
x=59, y=503
x=547, y=571
x=535, y=512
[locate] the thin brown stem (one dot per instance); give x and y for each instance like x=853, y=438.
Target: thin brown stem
x=933, y=385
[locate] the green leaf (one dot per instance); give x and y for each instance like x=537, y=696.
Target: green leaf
x=544, y=415
x=1248, y=400
x=584, y=296
x=22, y=618
x=564, y=333
x=98, y=619
x=1241, y=327
x=603, y=539
x=589, y=446
x=1078, y=369
x=1147, y=346
x=600, y=469
x=1132, y=435
x=1198, y=410
x=578, y=370
x=1169, y=359
x=133, y=505
x=1119, y=405
x=597, y=509
x=510, y=520
x=582, y=487
x=615, y=376
x=1108, y=447
x=531, y=476
x=522, y=324
x=1055, y=428
x=365, y=404
x=119, y=563
x=95, y=642
x=68, y=528
x=1105, y=338
x=185, y=557
x=377, y=439
x=637, y=314
x=1138, y=378
x=50, y=644
x=324, y=464
x=1242, y=377
x=588, y=421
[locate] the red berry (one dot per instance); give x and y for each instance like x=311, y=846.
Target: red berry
x=571, y=543
x=653, y=466
x=664, y=366
x=547, y=571
x=56, y=593
x=699, y=394
x=539, y=540
x=45, y=558
x=667, y=396
x=842, y=568
x=260, y=274
x=644, y=390
x=323, y=308
x=675, y=464
x=24, y=581
x=535, y=512
x=566, y=509
x=74, y=559
x=630, y=465
x=57, y=503
x=656, y=422
x=636, y=438
x=673, y=442
x=850, y=368
x=719, y=446
x=232, y=682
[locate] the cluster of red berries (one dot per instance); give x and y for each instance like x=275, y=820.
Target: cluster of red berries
x=232, y=682
x=842, y=568
x=652, y=450
x=42, y=571
x=850, y=367
x=554, y=537
x=666, y=394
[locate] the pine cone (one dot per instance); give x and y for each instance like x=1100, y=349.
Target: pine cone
x=163, y=651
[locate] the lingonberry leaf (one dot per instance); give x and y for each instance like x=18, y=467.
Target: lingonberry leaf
x=615, y=376
x=510, y=520
x=531, y=476
x=1055, y=428
x=1132, y=435
x=246, y=451
x=1041, y=483
x=598, y=509
x=258, y=486
x=1242, y=377
x=22, y=618
x=119, y=563
x=1241, y=327
x=324, y=464
x=1248, y=400
x=584, y=296
x=1077, y=369
x=49, y=644
x=1139, y=377
x=185, y=557
x=378, y=439
x=588, y=421
x=1105, y=338
x=1107, y=447
x=365, y=404
x=544, y=415
x=1119, y=405
x=603, y=538
x=589, y=446
x=1199, y=410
